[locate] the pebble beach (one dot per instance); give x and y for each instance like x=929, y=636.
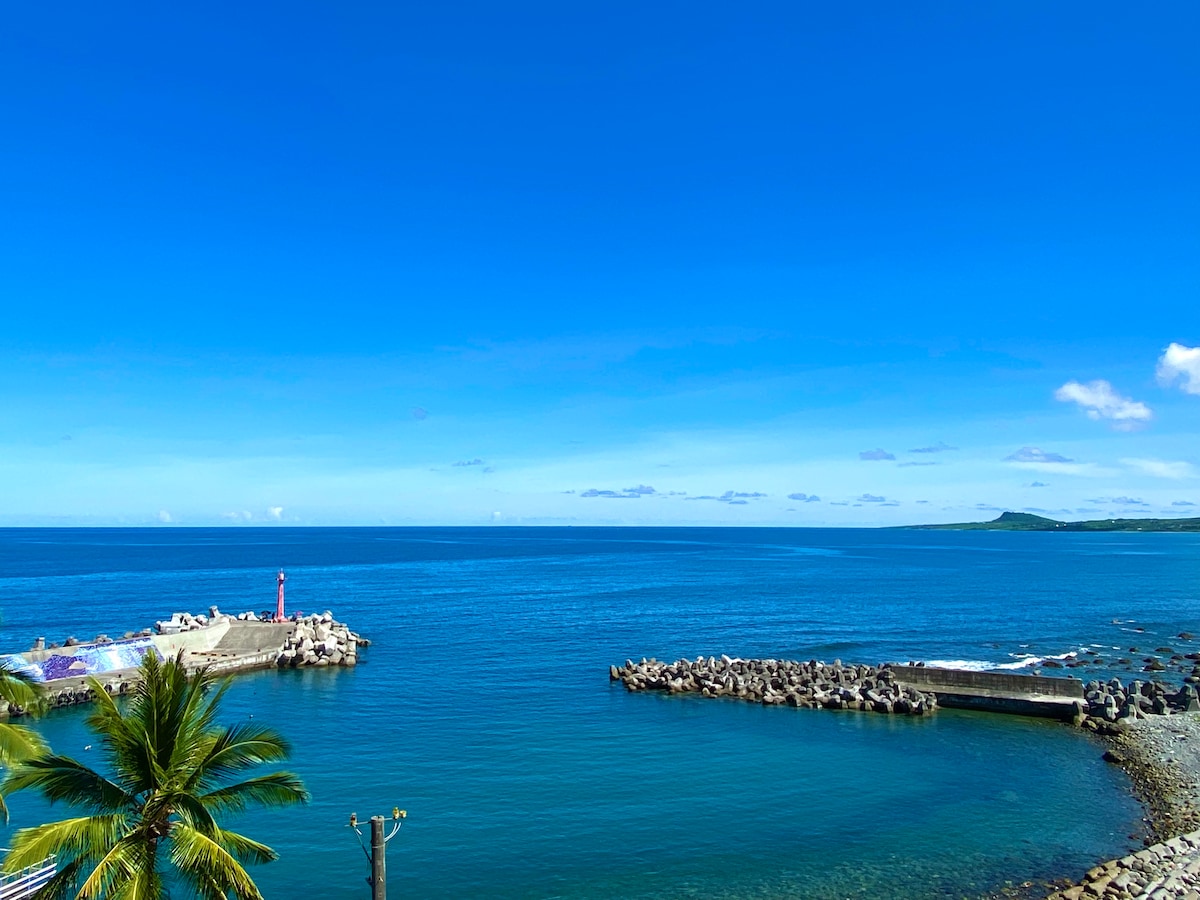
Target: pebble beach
x=1161, y=755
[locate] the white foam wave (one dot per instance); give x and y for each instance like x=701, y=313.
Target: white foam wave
x=966, y=665
x=1022, y=663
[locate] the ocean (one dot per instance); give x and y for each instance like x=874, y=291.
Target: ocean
x=483, y=706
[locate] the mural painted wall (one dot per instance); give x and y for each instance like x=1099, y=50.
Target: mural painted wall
x=96, y=660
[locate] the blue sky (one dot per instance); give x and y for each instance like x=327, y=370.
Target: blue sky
x=598, y=263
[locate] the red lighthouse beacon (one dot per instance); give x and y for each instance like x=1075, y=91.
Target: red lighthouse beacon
x=279, y=600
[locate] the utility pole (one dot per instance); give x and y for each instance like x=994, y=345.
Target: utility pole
x=378, y=861
x=376, y=856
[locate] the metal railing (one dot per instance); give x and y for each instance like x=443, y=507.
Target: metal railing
x=28, y=881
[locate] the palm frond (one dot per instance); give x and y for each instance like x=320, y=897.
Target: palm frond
x=192, y=812
x=63, y=778
x=83, y=838
x=122, y=735
x=244, y=848
x=144, y=884
x=18, y=742
x=237, y=749
x=20, y=689
x=201, y=857
x=128, y=862
x=276, y=789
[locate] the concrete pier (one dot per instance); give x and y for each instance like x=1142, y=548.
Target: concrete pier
x=1026, y=695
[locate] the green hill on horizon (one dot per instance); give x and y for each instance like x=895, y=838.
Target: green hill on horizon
x=1019, y=521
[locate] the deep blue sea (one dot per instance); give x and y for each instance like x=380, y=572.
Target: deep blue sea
x=483, y=706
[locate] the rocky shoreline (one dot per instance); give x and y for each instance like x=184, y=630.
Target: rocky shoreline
x=1161, y=755
x=1151, y=729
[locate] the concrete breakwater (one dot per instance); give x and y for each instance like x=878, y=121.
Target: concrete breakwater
x=806, y=685
x=219, y=642
x=320, y=641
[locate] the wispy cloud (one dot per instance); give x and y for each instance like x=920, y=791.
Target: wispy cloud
x=875, y=455
x=467, y=462
x=1100, y=401
x=1037, y=484
x=1161, y=468
x=630, y=493
x=1119, y=501
x=1180, y=362
x=419, y=413
x=939, y=447
x=733, y=498
x=805, y=498
x=1182, y=503
x=1036, y=455
x=870, y=498
x=913, y=462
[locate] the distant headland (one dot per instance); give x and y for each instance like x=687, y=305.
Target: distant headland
x=1015, y=521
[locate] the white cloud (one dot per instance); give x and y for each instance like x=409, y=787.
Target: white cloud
x=164, y=516
x=275, y=513
x=1161, y=468
x=1101, y=402
x=1183, y=362
x=1036, y=455
x=1038, y=460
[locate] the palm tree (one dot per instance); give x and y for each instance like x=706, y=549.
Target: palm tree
x=16, y=741
x=154, y=818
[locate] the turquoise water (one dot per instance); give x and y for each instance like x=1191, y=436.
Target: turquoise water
x=484, y=707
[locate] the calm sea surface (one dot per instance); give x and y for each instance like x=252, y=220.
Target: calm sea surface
x=484, y=708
